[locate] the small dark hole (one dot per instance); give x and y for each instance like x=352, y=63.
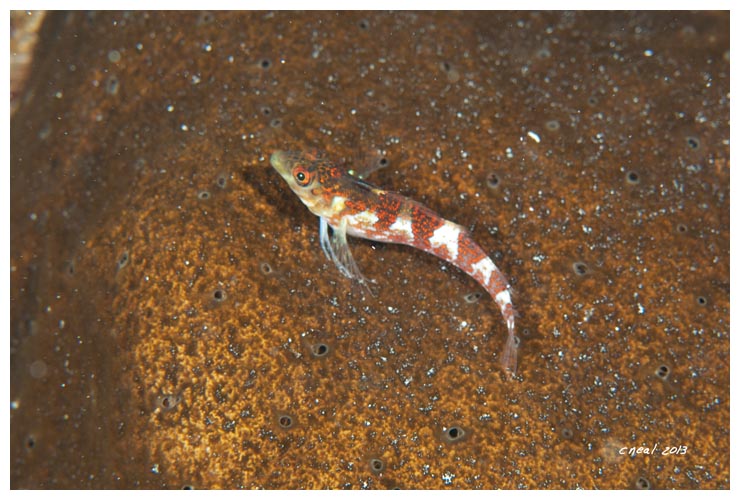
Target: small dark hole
x=71, y=268
x=642, y=483
x=221, y=180
x=525, y=332
x=552, y=125
x=681, y=228
x=167, y=402
x=363, y=24
x=204, y=195
x=454, y=433
x=265, y=63
x=383, y=162
x=517, y=342
x=30, y=442
x=205, y=18
x=580, y=268
x=320, y=350
x=632, y=177
x=112, y=85
x=593, y=101
x=265, y=268
x=285, y=421
x=693, y=142
x=446, y=66
x=662, y=372
x=566, y=433
x=265, y=110
x=123, y=260
x=219, y=295
x=472, y=298
x=376, y=465
x=276, y=123
x=701, y=300
x=492, y=180
x=188, y=487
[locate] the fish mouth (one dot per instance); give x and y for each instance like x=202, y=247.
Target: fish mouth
x=279, y=160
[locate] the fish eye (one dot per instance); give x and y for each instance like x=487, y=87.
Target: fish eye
x=301, y=176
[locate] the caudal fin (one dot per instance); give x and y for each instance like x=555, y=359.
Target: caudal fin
x=508, y=358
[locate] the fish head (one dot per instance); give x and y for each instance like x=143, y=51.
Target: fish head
x=309, y=175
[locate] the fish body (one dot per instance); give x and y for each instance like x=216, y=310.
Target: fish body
x=350, y=206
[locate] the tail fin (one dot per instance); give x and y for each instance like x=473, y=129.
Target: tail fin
x=508, y=358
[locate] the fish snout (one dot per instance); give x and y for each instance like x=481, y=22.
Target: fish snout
x=279, y=160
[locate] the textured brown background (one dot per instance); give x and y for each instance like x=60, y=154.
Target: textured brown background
x=169, y=298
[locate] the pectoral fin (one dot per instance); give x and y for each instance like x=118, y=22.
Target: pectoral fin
x=336, y=249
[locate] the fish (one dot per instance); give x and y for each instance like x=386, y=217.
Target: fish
x=347, y=205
